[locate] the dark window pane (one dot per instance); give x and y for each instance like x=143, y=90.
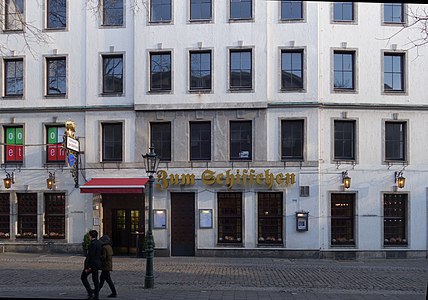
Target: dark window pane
x=240, y=9
x=4, y=216
x=343, y=11
x=229, y=218
x=292, y=70
x=241, y=69
x=160, y=11
x=27, y=215
x=292, y=138
x=200, y=9
x=200, y=70
x=160, y=71
x=200, y=141
x=291, y=10
x=395, y=141
x=112, y=141
x=160, y=137
x=342, y=219
x=393, y=72
x=393, y=13
x=344, y=70
x=14, y=77
x=56, y=76
x=57, y=13
x=112, y=74
x=240, y=140
x=54, y=216
x=270, y=218
x=395, y=219
x=344, y=141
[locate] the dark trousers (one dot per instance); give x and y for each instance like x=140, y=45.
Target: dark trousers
x=105, y=276
x=95, y=280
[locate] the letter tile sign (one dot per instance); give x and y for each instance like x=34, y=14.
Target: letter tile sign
x=55, y=151
x=14, y=150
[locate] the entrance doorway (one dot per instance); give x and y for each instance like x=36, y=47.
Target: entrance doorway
x=123, y=218
x=182, y=224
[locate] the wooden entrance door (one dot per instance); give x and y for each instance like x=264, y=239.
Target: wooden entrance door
x=182, y=224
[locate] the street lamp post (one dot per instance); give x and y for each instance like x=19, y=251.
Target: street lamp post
x=151, y=162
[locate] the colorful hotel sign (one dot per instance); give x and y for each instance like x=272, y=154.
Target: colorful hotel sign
x=230, y=178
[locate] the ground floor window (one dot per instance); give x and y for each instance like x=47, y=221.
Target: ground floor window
x=230, y=218
x=54, y=216
x=270, y=218
x=27, y=215
x=394, y=219
x=342, y=219
x=4, y=216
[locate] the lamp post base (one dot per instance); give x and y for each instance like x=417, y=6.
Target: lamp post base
x=149, y=282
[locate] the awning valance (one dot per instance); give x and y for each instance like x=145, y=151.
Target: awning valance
x=114, y=186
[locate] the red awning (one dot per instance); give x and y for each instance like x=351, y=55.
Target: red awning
x=114, y=185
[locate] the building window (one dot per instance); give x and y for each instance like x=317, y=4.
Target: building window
x=291, y=70
x=240, y=9
x=112, y=141
x=394, y=219
x=54, y=216
x=241, y=72
x=160, y=137
x=112, y=74
x=14, y=144
x=160, y=10
x=27, y=215
x=393, y=76
x=113, y=12
x=54, y=150
x=240, y=140
x=229, y=218
x=343, y=11
x=57, y=76
x=4, y=216
x=393, y=13
x=14, y=77
x=14, y=15
x=344, y=70
x=342, y=220
x=344, y=140
x=291, y=10
x=200, y=10
x=200, y=140
x=56, y=14
x=200, y=70
x=270, y=218
x=292, y=138
x=395, y=141
x=160, y=72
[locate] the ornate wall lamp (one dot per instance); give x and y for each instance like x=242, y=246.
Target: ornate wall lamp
x=50, y=182
x=346, y=180
x=399, y=179
x=9, y=180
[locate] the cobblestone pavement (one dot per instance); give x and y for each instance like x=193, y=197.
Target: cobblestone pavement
x=58, y=277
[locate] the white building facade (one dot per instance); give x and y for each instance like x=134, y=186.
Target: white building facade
x=259, y=111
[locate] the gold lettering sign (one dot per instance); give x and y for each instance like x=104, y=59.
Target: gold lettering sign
x=230, y=178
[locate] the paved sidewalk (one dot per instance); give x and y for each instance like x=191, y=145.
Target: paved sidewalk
x=58, y=277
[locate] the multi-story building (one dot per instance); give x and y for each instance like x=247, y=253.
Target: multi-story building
x=259, y=110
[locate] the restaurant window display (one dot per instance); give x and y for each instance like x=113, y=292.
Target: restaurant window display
x=27, y=216
x=54, y=216
x=343, y=220
x=270, y=218
x=4, y=216
x=394, y=219
x=229, y=218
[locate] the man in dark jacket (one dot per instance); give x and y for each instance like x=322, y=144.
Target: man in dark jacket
x=92, y=265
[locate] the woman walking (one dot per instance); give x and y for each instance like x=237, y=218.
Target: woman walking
x=107, y=265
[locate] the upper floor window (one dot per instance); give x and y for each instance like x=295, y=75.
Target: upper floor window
x=56, y=75
x=160, y=10
x=160, y=138
x=241, y=140
x=291, y=70
x=344, y=140
x=241, y=71
x=160, y=71
x=200, y=10
x=200, y=70
x=112, y=74
x=241, y=9
x=292, y=139
x=14, y=15
x=393, y=76
x=54, y=151
x=14, y=144
x=112, y=141
x=344, y=77
x=56, y=14
x=14, y=77
x=113, y=12
x=343, y=11
x=393, y=13
x=395, y=141
x=200, y=140
x=291, y=10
